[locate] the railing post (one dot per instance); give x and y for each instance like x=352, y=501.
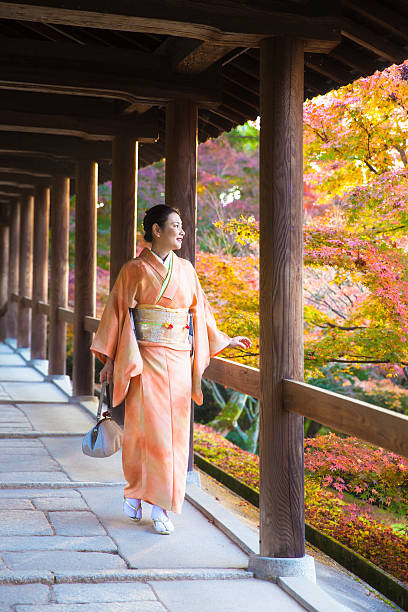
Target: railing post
x=85, y=275
x=181, y=192
x=40, y=271
x=124, y=203
x=14, y=257
x=25, y=269
x=282, y=539
x=4, y=265
x=59, y=275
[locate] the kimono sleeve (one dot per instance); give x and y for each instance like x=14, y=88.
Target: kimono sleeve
x=115, y=337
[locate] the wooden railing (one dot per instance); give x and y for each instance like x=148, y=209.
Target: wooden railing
x=370, y=423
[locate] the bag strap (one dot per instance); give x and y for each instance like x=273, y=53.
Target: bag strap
x=104, y=390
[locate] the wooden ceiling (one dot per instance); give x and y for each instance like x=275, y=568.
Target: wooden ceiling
x=70, y=78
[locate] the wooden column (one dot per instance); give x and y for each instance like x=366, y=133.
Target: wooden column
x=181, y=169
x=281, y=318
x=59, y=264
x=40, y=271
x=124, y=207
x=181, y=187
x=14, y=257
x=85, y=275
x=25, y=269
x=4, y=266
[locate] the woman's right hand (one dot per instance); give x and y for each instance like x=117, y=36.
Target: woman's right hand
x=107, y=372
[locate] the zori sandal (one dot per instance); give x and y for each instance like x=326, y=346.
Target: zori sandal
x=163, y=524
x=133, y=512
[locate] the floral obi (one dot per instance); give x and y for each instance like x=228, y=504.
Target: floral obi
x=170, y=326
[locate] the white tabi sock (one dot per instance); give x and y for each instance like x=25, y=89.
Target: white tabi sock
x=158, y=512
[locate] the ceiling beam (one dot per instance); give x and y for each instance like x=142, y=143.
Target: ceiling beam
x=59, y=147
x=380, y=14
x=231, y=22
x=87, y=128
x=35, y=166
x=372, y=41
x=39, y=66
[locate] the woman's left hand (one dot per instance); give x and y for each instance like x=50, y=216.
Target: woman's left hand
x=240, y=341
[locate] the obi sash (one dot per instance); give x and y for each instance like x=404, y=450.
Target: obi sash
x=169, y=326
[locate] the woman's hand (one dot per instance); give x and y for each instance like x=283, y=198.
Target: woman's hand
x=241, y=341
x=107, y=371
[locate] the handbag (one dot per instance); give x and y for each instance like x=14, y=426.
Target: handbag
x=106, y=437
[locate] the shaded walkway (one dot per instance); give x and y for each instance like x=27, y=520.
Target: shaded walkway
x=63, y=529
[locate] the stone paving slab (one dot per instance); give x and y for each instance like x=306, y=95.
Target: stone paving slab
x=142, y=547
x=11, y=359
x=30, y=477
x=23, y=444
x=49, y=418
x=24, y=522
x=145, y=606
x=26, y=577
x=19, y=373
x=12, y=594
x=15, y=504
x=56, y=542
x=221, y=595
x=71, y=561
x=107, y=592
x=148, y=575
x=33, y=392
x=37, y=493
x=75, y=523
x=59, y=503
x=4, y=348
x=18, y=463
x=80, y=467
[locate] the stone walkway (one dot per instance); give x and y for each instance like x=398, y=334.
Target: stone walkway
x=65, y=544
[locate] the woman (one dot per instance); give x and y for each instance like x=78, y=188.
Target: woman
x=144, y=341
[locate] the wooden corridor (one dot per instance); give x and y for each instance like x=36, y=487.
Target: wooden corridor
x=90, y=94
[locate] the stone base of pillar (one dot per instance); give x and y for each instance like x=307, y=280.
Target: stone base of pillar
x=79, y=399
x=12, y=342
x=40, y=364
x=62, y=381
x=272, y=568
x=193, y=477
x=25, y=352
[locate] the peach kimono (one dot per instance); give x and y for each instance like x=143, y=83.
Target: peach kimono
x=156, y=380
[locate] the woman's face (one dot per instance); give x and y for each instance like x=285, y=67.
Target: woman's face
x=171, y=235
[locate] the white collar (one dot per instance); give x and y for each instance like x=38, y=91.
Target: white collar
x=166, y=262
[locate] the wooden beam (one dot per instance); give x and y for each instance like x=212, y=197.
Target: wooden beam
x=59, y=147
x=87, y=128
x=40, y=271
x=381, y=15
x=85, y=276
x=14, y=255
x=14, y=190
x=328, y=67
x=36, y=166
x=281, y=324
x=371, y=423
x=372, y=41
x=22, y=69
x=124, y=203
x=26, y=269
x=231, y=23
x=4, y=276
x=59, y=265
x=18, y=179
x=234, y=375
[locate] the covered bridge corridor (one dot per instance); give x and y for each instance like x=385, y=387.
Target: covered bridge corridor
x=92, y=93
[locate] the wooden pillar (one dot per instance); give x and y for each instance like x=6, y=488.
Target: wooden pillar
x=85, y=275
x=281, y=318
x=40, y=271
x=181, y=169
x=124, y=207
x=4, y=265
x=59, y=264
x=25, y=269
x=181, y=187
x=14, y=258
